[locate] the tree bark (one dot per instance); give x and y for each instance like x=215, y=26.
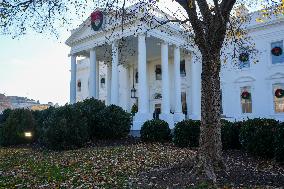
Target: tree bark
x=210, y=152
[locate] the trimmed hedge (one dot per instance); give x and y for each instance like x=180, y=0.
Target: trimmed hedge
x=4, y=116
x=91, y=109
x=65, y=128
x=186, y=133
x=12, y=131
x=279, y=143
x=230, y=132
x=113, y=123
x=257, y=136
x=155, y=131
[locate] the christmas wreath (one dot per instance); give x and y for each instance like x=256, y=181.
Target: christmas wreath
x=97, y=19
x=245, y=95
x=244, y=57
x=277, y=51
x=279, y=93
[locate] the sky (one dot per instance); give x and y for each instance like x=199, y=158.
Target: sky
x=37, y=66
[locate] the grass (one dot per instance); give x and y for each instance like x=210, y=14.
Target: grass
x=103, y=167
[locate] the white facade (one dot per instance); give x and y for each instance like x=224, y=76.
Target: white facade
x=168, y=70
x=259, y=77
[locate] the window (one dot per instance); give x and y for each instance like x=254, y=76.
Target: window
x=244, y=61
x=103, y=82
x=183, y=102
x=277, y=58
x=158, y=72
x=246, y=101
x=136, y=77
x=79, y=86
x=278, y=98
x=182, y=68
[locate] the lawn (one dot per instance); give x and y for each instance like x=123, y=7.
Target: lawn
x=103, y=167
x=128, y=166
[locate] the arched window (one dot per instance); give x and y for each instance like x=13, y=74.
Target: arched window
x=79, y=86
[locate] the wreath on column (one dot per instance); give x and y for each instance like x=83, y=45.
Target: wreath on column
x=279, y=93
x=97, y=19
x=277, y=51
x=244, y=57
x=246, y=95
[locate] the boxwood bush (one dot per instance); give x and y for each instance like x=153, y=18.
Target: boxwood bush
x=4, y=116
x=186, y=133
x=12, y=131
x=155, y=131
x=113, y=123
x=230, y=132
x=91, y=109
x=65, y=128
x=257, y=136
x=279, y=143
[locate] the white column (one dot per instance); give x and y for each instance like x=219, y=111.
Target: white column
x=143, y=101
x=196, y=87
x=143, y=96
x=73, y=86
x=97, y=80
x=93, y=74
x=114, y=77
x=178, y=107
x=165, y=79
x=108, y=102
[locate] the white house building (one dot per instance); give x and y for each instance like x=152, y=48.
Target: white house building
x=156, y=67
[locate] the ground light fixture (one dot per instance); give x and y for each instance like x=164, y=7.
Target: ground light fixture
x=28, y=134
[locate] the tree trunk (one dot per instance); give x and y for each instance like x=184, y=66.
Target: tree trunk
x=210, y=151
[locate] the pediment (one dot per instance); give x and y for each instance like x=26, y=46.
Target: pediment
x=245, y=79
x=277, y=75
x=85, y=30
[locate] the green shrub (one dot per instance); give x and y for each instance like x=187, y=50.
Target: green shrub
x=155, y=131
x=230, y=135
x=4, y=116
x=114, y=123
x=134, y=109
x=257, y=136
x=186, y=133
x=64, y=128
x=40, y=117
x=91, y=109
x=13, y=130
x=279, y=143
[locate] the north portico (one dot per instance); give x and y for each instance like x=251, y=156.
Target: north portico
x=142, y=63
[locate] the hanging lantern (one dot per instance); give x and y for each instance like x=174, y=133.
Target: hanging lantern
x=133, y=93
